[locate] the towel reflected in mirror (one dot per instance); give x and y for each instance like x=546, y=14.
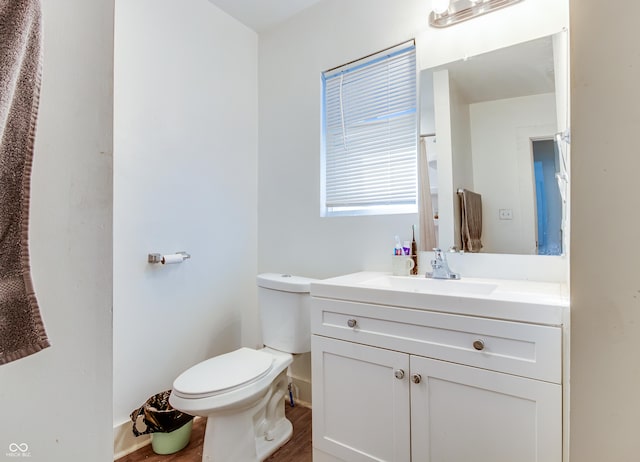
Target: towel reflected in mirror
x=470, y=220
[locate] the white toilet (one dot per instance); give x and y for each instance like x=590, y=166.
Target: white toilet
x=242, y=393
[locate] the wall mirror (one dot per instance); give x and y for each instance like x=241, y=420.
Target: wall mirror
x=493, y=124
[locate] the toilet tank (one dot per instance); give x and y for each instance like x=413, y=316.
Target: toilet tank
x=285, y=308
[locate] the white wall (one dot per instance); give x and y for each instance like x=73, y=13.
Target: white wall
x=605, y=288
x=461, y=153
x=461, y=139
x=58, y=401
x=501, y=131
x=427, y=116
x=562, y=68
x=447, y=211
x=292, y=236
x=185, y=147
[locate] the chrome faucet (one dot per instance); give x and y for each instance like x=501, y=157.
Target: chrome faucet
x=440, y=267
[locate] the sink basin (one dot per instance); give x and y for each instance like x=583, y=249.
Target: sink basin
x=427, y=285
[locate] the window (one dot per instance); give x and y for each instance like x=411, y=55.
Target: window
x=370, y=135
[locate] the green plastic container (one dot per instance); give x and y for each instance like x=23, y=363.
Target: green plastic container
x=168, y=443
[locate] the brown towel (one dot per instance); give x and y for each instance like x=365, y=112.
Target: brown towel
x=21, y=329
x=471, y=220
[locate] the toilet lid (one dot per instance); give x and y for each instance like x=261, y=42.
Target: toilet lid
x=222, y=373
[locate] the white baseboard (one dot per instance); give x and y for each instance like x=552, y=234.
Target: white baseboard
x=299, y=402
x=320, y=456
x=124, y=442
x=303, y=389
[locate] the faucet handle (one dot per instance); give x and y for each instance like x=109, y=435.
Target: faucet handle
x=440, y=267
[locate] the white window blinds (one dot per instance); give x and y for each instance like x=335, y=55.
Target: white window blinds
x=370, y=135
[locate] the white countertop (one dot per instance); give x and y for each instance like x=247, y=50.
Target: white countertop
x=514, y=300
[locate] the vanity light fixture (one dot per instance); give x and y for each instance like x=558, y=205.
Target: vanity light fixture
x=440, y=6
x=449, y=12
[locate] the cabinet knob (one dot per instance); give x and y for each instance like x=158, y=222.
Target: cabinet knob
x=352, y=323
x=399, y=374
x=478, y=345
x=416, y=378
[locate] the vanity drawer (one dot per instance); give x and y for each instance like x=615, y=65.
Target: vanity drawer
x=522, y=349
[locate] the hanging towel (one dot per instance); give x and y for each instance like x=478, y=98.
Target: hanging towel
x=21, y=329
x=470, y=220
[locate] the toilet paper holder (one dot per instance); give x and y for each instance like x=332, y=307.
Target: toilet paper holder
x=170, y=258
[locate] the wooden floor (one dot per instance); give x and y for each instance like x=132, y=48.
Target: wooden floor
x=298, y=449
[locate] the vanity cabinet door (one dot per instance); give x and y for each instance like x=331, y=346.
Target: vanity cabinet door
x=461, y=413
x=360, y=401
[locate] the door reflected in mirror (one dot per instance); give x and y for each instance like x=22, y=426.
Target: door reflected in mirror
x=490, y=125
x=547, y=197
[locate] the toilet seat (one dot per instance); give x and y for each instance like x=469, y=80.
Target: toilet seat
x=223, y=373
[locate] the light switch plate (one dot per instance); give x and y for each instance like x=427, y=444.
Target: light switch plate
x=506, y=214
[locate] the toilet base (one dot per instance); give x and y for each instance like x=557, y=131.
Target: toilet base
x=281, y=434
x=218, y=448
x=251, y=434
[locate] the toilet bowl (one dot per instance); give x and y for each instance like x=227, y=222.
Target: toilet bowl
x=242, y=393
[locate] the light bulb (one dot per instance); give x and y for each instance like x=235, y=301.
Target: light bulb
x=440, y=6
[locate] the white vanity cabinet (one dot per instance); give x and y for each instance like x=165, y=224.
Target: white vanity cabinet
x=361, y=412
x=403, y=384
